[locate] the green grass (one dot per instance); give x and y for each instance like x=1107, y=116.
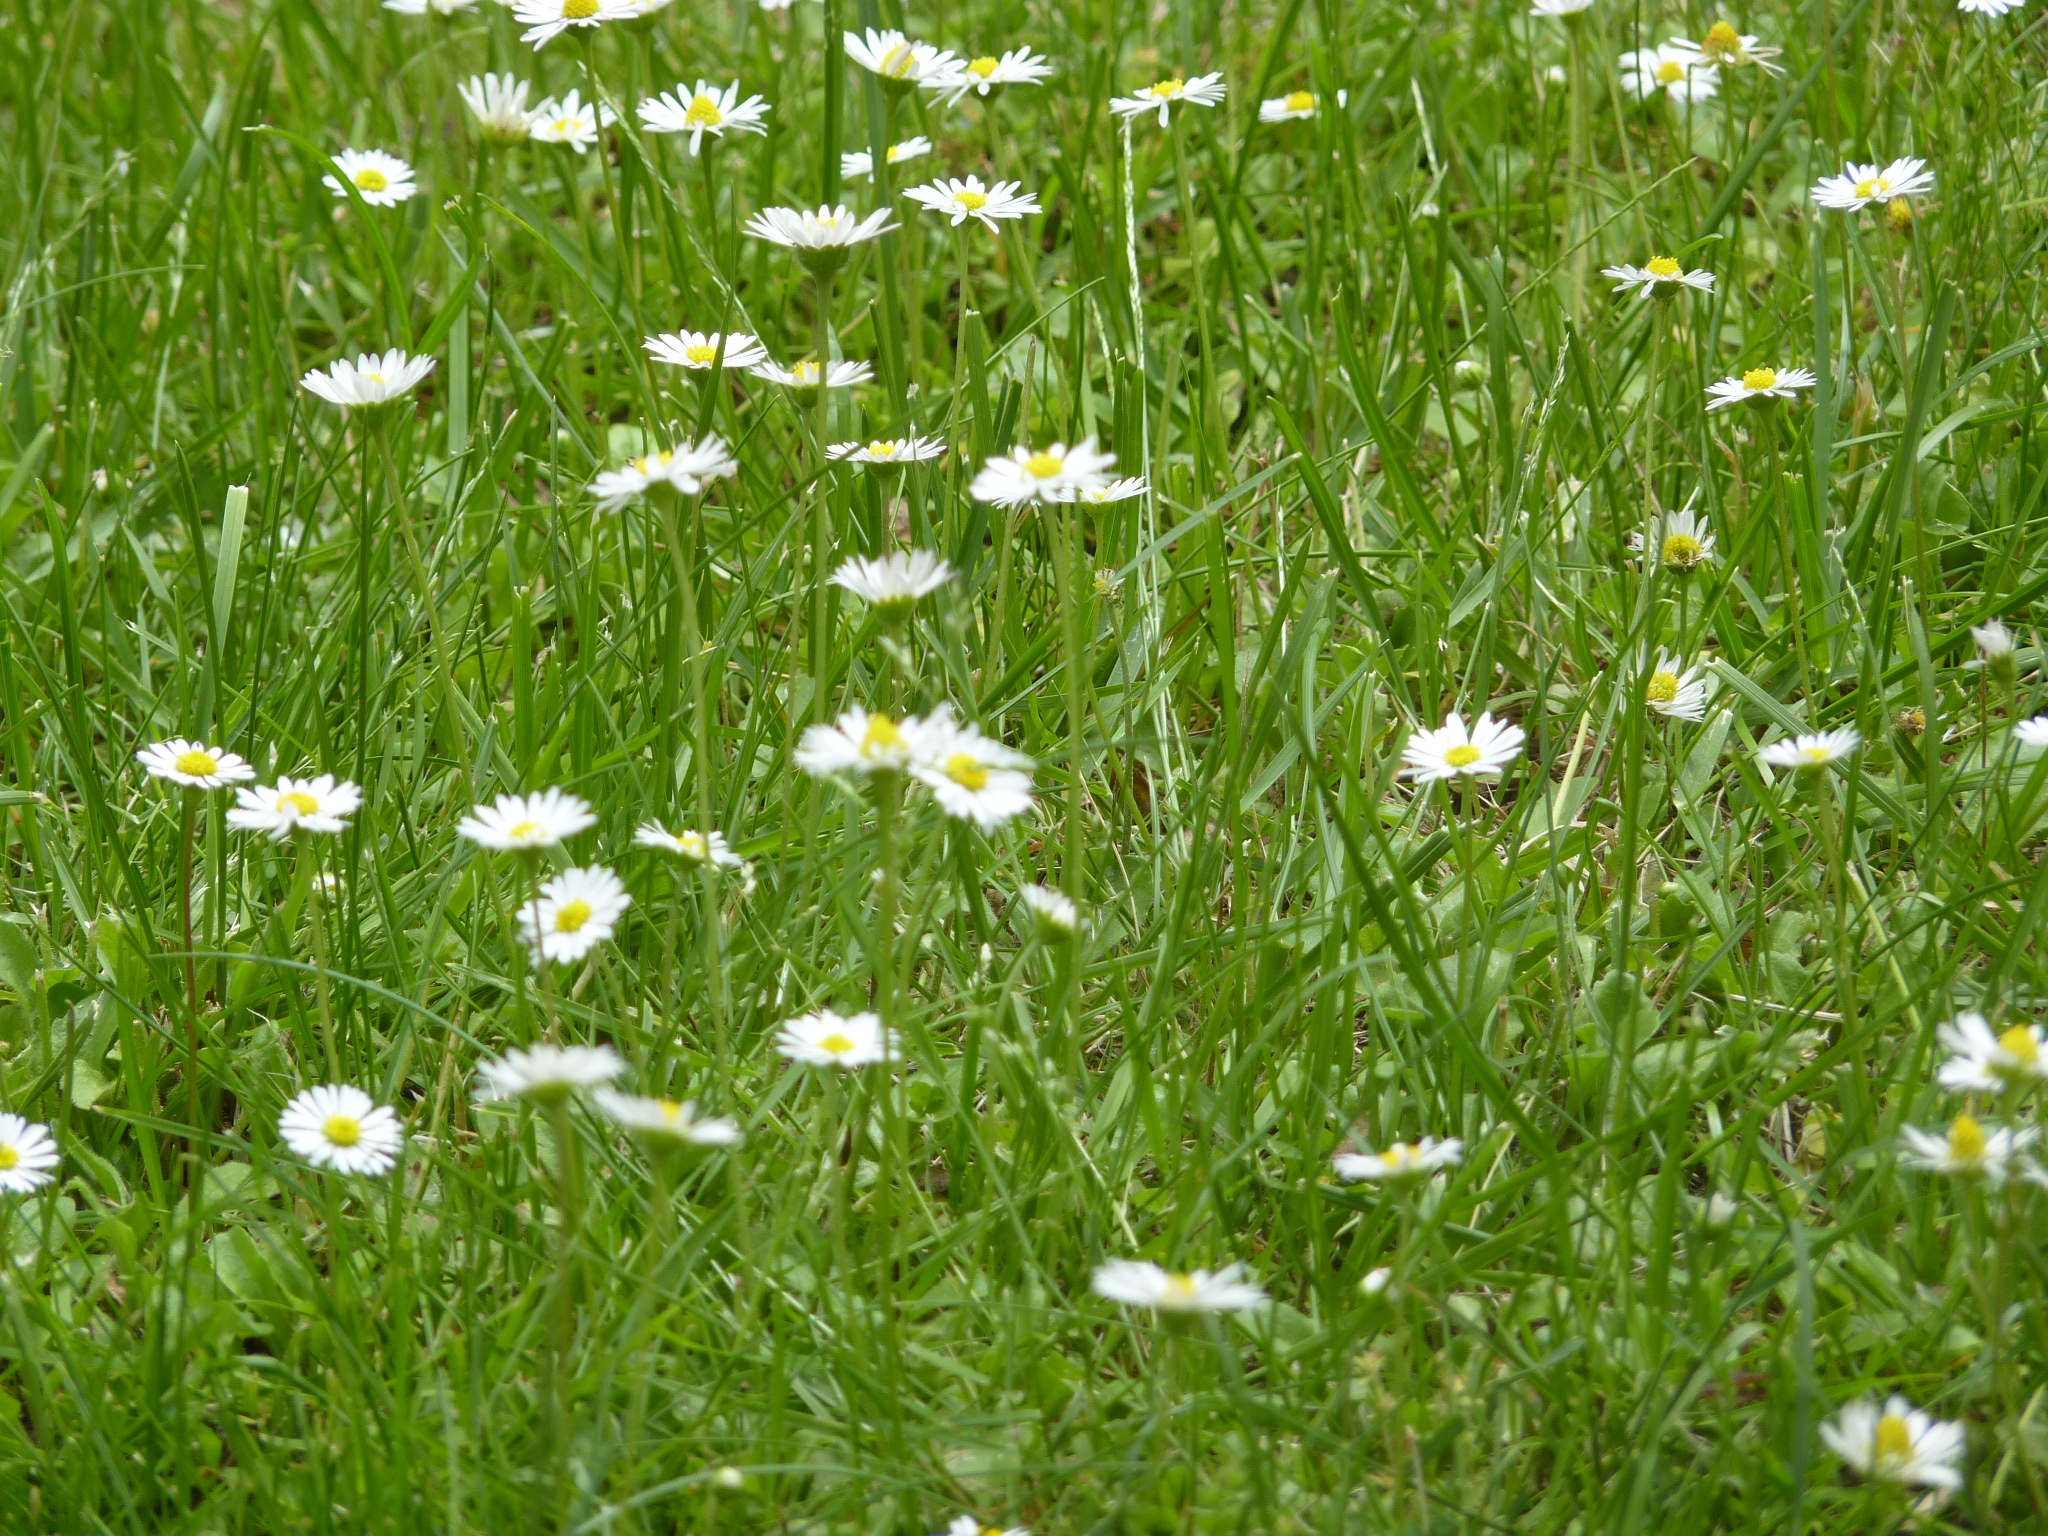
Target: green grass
x=1398, y=434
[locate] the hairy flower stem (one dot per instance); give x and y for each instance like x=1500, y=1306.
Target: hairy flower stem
x=316, y=921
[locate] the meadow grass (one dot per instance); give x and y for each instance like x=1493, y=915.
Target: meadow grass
x=1678, y=1006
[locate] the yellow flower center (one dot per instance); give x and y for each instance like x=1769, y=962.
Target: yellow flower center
x=2020, y=1044
x=966, y=771
x=806, y=373
x=1899, y=214
x=1894, y=1439
x=373, y=377
x=692, y=844
x=670, y=1110
x=1815, y=754
x=579, y=10
x=10, y=1157
x=1722, y=40
x=370, y=179
x=1873, y=186
x=1180, y=1287
x=198, y=765
x=1168, y=89
x=1464, y=755
x=522, y=830
x=1760, y=378
x=1043, y=466
x=1966, y=1140
x=703, y=113
x=971, y=200
x=1301, y=101
x=1682, y=550
x=898, y=61
x=1670, y=72
x=1397, y=1154
x=342, y=1130
x=1663, y=688
x=702, y=356
x=836, y=1043
x=300, y=804
x=897, y=152
x=1661, y=266
x=881, y=450
x=571, y=915
x=983, y=66
x=881, y=736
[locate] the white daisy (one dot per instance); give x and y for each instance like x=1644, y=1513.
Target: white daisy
x=1861, y=185
x=546, y=20
x=1674, y=693
x=663, y=1124
x=688, y=468
x=823, y=236
x=573, y=913
x=972, y=777
x=1897, y=1444
x=844, y=374
x=194, y=764
x=1994, y=640
x=1992, y=8
x=518, y=822
x=888, y=450
x=1136, y=1283
x=705, y=110
x=696, y=847
x=1400, y=1162
x=547, y=1074
x=296, y=805
x=1559, y=7
x=824, y=1039
x=569, y=121
x=967, y=1525
x=1987, y=1062
x=1725, y=48
x=1058, y=474
x=428, y=7
x=1292, y=107
x=859, y=163
x=969, y=199
x=1682, y=541
x=1053, y=913
x=896, y=582
x=383, y=181
x=1759, y=384
x=1813, y=752
x=1679, y=72
x=1202, y=91
x=498, y=102
x=27, y=1154
x=1660, y=275
x=1115, y=490
x=369, y=380
x=2032, y=733
x=1019, y=66
x=901, y=62
x=1451, y=750
x=342, y=1128
x=1967, y=1150
x=858, y=743
x=694, y=349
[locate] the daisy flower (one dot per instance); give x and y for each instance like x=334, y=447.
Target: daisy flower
x=1137, y=1283
x=705, y=110
x=1115, y=490
x=969, y=199
x=888, y=450
x=858, y=743
x=1994, y=640
x=342, y=1128
x=1202, y=91
x=1053, y=914
x=860, y=163
x=901, y=62
x=573, y=913
x=1984, y=1062
x=568, y=121
x=822, y=237
x=843, y=374
x=1725, y=48
x=1660, y=275
x=967, y=1525
x=194, y=764
x=1861, y=185
x=1992, y=8
x=369, y=380
x=1675, y=694
x=1681, y=540
x=27, y=1154
x=384, y=181
x=1292, y=107
x=1759, y=384
x=547, y=1074
x=2032, y=733
x=1968, y=1150
x=697, y=847
x=1058, y=474
x=1896, y=1444
x=1402, y=1161
x=428, y=7
x=971, y=776
x=688, y=468
x=1812, y=752
x=693, y=349
x=497, y=102
x=894, y=583
x=1483, y=752
x=824, y=1039
x=663, y=1124
x=1678, y=72
x=1559, y=7
x=1019, y=66
x=519, y=822
x=296, y=805
x=546, y=20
